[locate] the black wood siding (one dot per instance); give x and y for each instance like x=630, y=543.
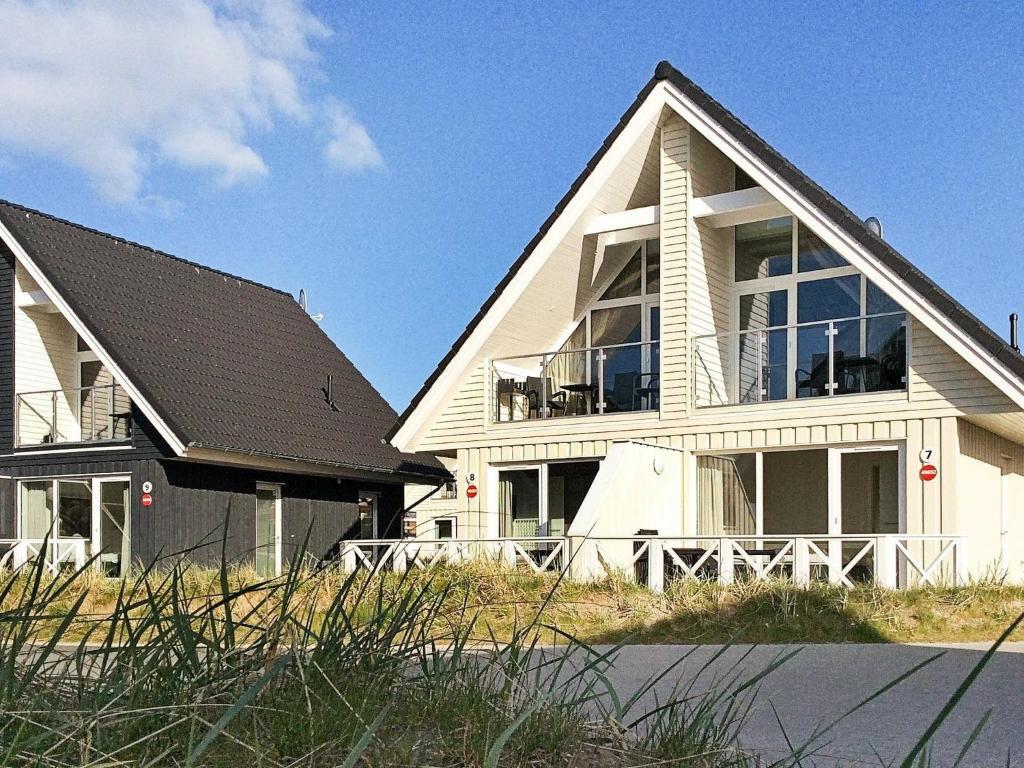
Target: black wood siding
x=193, y=505
x=6, y=350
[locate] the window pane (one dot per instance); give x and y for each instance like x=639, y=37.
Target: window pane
x=74, y=509
x=878, y=302
x=653, y=267
x=568, y=484
x=762, y=354
x=828, y=299
x=114, y=539
x=812, y=253
x=627, y=282
x=763, y=310
x=443, y=529
x=266, y=532
x=764, y=249
x=726, y=494
x=36, y=509
x=519, y=502
x=616, y=325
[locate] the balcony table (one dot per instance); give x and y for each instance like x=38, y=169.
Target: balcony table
x=581, y=394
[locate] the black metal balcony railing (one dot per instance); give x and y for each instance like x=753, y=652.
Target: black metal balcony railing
x=822, y=359
x=597, y=380
x=82, y=415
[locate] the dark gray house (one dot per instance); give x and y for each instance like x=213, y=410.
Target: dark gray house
x=147, y=401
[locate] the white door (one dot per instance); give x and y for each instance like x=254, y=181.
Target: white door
x=268, y=530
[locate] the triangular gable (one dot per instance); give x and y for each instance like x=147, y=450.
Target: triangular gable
x=838, y=226
x=34, y=271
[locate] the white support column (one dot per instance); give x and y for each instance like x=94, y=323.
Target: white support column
x=835, y=514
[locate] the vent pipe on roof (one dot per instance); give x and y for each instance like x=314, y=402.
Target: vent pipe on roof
x=1013, y=332
x=874, y=225
x=302, y=299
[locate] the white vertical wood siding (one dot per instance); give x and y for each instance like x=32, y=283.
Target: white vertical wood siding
x=675, y=199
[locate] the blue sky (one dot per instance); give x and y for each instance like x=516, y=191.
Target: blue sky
x=395, y=161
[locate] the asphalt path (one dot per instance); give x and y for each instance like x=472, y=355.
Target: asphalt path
x=822, y=682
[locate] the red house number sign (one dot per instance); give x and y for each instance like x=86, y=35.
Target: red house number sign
x=929, y=472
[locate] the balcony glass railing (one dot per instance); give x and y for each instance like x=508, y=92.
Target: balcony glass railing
x=84, y=415
x=597, y=380
x=823, y=359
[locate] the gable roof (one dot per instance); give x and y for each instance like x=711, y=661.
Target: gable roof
x=226, y=363
x=839, y=214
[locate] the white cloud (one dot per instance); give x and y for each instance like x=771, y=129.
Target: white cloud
x=113, y=88
x=350, y=147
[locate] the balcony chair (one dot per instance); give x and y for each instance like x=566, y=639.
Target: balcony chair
x=511, y=395
x=556, y=401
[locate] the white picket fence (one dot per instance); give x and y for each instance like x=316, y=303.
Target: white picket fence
x=890, y=560
x=54, y=553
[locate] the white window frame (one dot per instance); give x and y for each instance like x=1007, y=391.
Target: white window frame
x=542, y=468
x=834, y=480
x=374, y=518
x=455, y=526
x=278, y=490
x=95, y=535
x=790, y=284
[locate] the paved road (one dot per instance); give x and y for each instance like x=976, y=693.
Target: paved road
x=823, y=681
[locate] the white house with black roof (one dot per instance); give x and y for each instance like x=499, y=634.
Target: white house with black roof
x=146, y=402
x=704, y=365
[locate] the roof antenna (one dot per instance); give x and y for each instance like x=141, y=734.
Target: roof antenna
x=1013, y=333
x=874, y=225
x=329, y=392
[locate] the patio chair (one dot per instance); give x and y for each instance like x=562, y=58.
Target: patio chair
x=556, y=401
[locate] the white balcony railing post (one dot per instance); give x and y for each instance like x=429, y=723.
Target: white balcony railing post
x=726, y=562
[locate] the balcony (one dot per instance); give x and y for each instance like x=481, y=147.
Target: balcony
x=811, y=360
x=82, y=415
x=622, y=378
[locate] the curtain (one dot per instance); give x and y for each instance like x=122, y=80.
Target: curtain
x=725, y=503
x=504, y=506
x=36, y=509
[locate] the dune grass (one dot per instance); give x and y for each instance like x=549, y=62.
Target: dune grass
x=185, y=666
x=498, y=600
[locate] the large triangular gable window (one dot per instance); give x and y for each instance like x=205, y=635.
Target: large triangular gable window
x=609, y=364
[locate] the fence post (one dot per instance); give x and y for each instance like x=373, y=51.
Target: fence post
x=801, y=563
x=885, y=562
x=835, y=561
x=960, y=570
x=726, y=562
x=508, y=553
x=348, y=558
x=655, y=565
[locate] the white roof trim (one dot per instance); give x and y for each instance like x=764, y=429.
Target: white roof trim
x=647, y=113
x=62, y=306
x=1004, y=379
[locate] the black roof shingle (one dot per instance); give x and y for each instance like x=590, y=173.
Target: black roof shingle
x=227, y=363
